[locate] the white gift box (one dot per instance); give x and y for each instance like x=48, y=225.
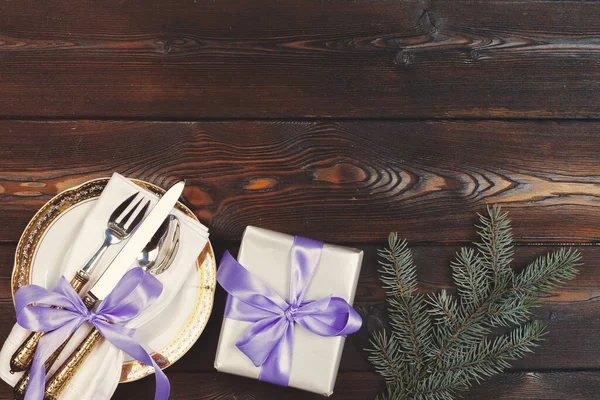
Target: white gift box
x=316, y=359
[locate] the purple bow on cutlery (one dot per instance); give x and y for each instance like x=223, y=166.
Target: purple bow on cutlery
x=269, y=341
x=135, y=291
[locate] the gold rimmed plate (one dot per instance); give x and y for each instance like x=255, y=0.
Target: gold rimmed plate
x=43, y=243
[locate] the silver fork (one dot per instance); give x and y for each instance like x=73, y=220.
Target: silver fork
x=117, y=229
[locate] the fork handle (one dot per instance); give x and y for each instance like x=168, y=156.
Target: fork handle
x=91, y=264
x=61, y=378
x=23, y=356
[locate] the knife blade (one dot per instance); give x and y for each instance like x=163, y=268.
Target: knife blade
x=120, y=265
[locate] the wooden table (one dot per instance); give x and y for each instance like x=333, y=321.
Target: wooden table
x=338, y=120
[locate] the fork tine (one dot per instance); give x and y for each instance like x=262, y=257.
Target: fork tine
x=119, y=210
x=139, y=217
x=126, y=218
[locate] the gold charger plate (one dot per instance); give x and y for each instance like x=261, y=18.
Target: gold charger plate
x=206, y=269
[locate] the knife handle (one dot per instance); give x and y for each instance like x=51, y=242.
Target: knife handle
x=61, y=378
x=23, y=356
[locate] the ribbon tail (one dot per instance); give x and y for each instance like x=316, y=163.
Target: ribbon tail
x=116, y=335
x=46, y=346
x=278, y=366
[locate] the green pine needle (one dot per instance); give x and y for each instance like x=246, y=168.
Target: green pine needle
x=440, y=344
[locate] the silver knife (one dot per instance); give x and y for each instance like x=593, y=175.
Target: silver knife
x=119, y=266
x=105, y=284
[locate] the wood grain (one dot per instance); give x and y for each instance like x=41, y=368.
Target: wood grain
x=359, y=385
x=216, y=386
x=515, y=386
x=360, y=59
x=350, y=182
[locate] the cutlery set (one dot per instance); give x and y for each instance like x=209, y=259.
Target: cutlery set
x=152, y=244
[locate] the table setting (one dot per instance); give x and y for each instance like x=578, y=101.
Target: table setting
x=114, y=280
x=76, y=235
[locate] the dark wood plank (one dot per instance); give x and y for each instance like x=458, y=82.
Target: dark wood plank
x=357, y=385
x=570, y=313
x=348, y=182
x=539, y=386
x=515, y=386
x=300, y=59
x=216, y=386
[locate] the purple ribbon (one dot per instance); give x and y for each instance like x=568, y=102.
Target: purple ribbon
x=135, y=291
x=269, y=341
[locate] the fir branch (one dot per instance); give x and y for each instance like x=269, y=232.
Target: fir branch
x=410, y=312
x=410, y=323
x=398, y=272
x=393, y=392
x=514, y=303
x=386, y=357
x=470, y=329
x=444, y=310
x=491, y=357
x=434, y=388
x=491, y=265
x=548, y=271
x=441, y=344
x=511, y=309
x=496, y=248
x=472, y=284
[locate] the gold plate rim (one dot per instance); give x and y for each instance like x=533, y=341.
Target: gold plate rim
x=206, y=265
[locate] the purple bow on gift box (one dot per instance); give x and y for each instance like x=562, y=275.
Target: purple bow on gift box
x=269, y=341
x=133, y=294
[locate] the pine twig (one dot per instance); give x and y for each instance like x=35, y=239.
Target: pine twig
x=441, y=344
